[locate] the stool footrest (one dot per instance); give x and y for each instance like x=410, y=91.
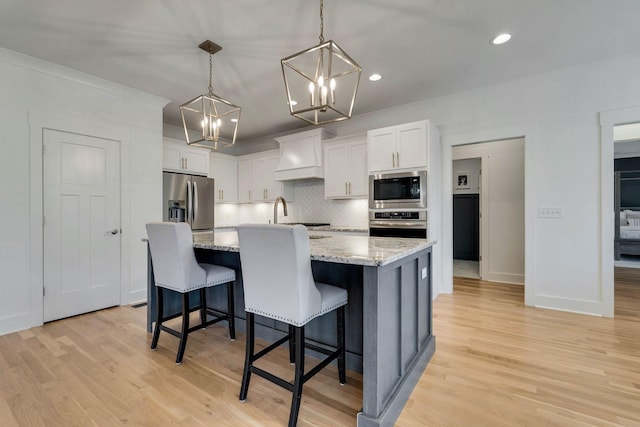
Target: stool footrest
x=266, y=350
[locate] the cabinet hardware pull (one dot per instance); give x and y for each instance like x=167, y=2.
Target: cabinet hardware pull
x=349, y=187
x=222, y=191
x=345, y=188
x=397, y=159
x=249, y=194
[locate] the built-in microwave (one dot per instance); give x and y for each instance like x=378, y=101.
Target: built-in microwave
x=405, y=190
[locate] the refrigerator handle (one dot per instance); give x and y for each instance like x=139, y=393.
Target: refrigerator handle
x=189, y=202
x=195, y=202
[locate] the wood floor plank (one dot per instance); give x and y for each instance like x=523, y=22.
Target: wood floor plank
x=497, y=363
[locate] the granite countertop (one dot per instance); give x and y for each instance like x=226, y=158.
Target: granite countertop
x=359, y=250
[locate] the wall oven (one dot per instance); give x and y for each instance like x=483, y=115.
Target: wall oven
x=405, y=190
x=398, y=223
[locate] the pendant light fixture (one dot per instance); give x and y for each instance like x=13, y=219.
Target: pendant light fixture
x=321, y=82
x=210, y=115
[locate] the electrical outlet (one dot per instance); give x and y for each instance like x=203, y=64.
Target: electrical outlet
x=550, y=213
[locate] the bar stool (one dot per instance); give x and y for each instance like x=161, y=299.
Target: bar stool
x=175, y=268
x=278, y=284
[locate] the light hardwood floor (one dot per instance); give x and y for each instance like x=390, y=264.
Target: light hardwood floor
x=496, y=363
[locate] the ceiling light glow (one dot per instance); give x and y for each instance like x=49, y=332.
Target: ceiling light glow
x=375, y=77
x=502, y=38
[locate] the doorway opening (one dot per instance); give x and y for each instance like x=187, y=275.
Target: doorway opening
x=626, y=161
x=466, y=217
x=488, y=194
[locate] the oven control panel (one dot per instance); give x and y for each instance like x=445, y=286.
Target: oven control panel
x=397, y=215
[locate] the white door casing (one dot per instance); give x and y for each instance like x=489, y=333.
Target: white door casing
x=81, y=233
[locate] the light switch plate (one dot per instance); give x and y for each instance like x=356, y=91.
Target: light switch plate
x=424, y=272
x=550, y=213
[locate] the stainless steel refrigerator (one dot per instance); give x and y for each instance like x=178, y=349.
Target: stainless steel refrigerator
x=188, y=198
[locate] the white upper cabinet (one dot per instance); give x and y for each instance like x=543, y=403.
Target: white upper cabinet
x=244, y=180
x=397, y=148
x=345, y=168
x=256, y=178
x=224, y=170
x=177, y=156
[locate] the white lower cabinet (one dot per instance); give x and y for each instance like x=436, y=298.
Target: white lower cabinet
x=256, y=181
x=345, y=168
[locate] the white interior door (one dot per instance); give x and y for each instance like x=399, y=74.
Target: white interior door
x=81, y=224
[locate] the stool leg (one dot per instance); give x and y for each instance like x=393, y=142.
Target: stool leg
x=159, y=316
x=248, y=358
x=292, y=345
x=185, y=327
x=203, y=307
x=299, y=374
x=231, y=311
x=341, y=346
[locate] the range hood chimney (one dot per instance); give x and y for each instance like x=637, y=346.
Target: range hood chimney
x=301, y=155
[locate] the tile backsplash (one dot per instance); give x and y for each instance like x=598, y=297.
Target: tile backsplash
x=308, y=205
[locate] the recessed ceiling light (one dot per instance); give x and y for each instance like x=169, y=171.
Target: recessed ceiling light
x=234, y=120
x=375, y=77
x=502, y=38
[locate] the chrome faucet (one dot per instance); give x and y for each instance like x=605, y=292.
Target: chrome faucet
x=275, y=208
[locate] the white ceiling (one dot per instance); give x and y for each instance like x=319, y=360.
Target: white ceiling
x=423, y=48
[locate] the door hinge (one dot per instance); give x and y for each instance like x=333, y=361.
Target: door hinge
x=43, y=292
x=44, y=150
x=43, y=220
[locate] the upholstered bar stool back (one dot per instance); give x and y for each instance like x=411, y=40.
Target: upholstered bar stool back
x=278, y=283
x=175, y=268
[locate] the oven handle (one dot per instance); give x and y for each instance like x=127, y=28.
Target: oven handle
x=398, y=224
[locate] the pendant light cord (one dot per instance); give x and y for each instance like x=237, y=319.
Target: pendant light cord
x=210, y=74
x=321, y=22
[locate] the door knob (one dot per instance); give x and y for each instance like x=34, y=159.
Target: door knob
x=114, y=231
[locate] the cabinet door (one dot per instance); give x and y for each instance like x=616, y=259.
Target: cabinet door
x=381, y=149
x=336, y=171
x=225, y=173
x=273, y=187
x=411, y=146
x=171, y=158
x=244, y=180
x=359, y=180
x=196, y=160
x=259, y=176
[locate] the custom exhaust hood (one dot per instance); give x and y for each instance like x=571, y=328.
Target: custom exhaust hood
x=301, y=155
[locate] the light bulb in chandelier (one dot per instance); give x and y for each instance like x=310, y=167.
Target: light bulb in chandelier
x=322, y=91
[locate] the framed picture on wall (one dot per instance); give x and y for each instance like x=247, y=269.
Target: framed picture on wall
x=461, y=181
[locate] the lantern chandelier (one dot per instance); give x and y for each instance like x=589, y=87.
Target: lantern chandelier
x=210, y=114
x=321, y=82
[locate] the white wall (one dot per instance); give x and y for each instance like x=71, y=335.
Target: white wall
x=37, y=94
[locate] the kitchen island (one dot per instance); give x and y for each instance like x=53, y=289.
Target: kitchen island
x=388, y=320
